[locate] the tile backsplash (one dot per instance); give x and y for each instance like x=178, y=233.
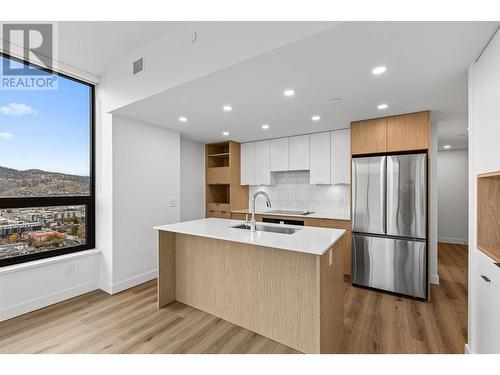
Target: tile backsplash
x=292, y=191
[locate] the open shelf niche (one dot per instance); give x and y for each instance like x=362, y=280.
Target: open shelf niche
x=488, y=214
x=223, y=189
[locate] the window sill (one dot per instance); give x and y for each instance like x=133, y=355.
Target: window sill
x=48, y=261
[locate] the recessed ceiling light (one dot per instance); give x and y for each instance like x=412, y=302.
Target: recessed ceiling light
x=289, y=92
x=315, y=118
x=183, y=119
x=335, y=100
x=225, y=134
x=382, y=106
x=379, y=70
x=446, y=146
x=227, y=108
x=265, y=126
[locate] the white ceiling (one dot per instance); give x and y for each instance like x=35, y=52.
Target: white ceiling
x=93, y=46
x=426, y=69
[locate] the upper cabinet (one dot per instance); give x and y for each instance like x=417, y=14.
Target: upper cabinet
x=255, y=163
x=369, y=136
x=484, y=108
x=247, y=163
x=279, y=154
x=298, y=153
x=262, y=163
x=326, y=155
x=408, y=132
x=340, y=157
x=321, y=158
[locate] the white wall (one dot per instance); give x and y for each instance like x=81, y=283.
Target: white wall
x=192, y=171
x=453, y=196
x=30, y=286
x=146, y=192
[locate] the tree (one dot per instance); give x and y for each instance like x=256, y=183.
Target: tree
x=15, y=237
x=81, y=232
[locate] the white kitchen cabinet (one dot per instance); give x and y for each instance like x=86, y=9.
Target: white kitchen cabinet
x=340, y=156
x=247, y=161
x=279, y=154
x=262, y=163
x=320, y=169
x=488, y=311
x=298, y=153
x=485, y=111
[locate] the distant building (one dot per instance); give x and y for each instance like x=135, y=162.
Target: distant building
x=19, y=228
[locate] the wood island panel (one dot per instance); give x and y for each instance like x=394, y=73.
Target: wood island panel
x=166, y=268
x=291, y=297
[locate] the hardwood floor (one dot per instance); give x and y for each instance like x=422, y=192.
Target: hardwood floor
x=129, y=322
x=376, y=322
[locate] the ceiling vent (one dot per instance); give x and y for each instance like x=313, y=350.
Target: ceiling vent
x=138, y=66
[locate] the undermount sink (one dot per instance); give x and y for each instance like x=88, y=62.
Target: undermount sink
x=267, y=228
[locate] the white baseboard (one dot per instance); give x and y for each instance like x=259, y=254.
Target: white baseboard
x=106, y=286
x=131, y=282
x=50, y=299
x=434, y=279
x=457, y=241
x=467, y=349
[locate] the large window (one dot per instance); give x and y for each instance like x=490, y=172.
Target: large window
x=46, y=170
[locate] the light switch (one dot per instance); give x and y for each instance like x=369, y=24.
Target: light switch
x=173, y=202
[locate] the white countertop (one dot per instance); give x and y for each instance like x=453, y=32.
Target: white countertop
x=314, y=215
x=310, y=240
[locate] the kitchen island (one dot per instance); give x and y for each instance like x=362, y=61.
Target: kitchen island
x=285, y=286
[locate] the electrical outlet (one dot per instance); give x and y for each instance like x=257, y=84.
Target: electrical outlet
x=173, y=202
x=70, y=270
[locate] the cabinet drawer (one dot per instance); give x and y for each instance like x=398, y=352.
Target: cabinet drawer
x=219, y=214
x=226, y=207
x=487, y=267
x=237, y=216
x=487, y=306
x=218, y=175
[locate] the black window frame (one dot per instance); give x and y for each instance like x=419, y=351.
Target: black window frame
x=88, y=200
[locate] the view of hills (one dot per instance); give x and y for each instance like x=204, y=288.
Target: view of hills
x=36, y=183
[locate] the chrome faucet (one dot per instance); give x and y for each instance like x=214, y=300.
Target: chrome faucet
x=268, y=204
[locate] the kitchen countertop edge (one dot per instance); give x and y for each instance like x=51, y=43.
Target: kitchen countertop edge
x=311, y=240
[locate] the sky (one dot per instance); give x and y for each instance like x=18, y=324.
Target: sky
x=47, y=129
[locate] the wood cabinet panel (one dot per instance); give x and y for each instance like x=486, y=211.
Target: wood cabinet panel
x=408, y=132
x=219, y=175
x=219, y=214
x=369, y=137
x=218, y=207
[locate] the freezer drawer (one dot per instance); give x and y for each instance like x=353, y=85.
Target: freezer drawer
x=369, y=194
x=407, y=195
x=390, y=264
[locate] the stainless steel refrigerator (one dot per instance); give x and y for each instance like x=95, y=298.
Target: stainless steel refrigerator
x=389, y=223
